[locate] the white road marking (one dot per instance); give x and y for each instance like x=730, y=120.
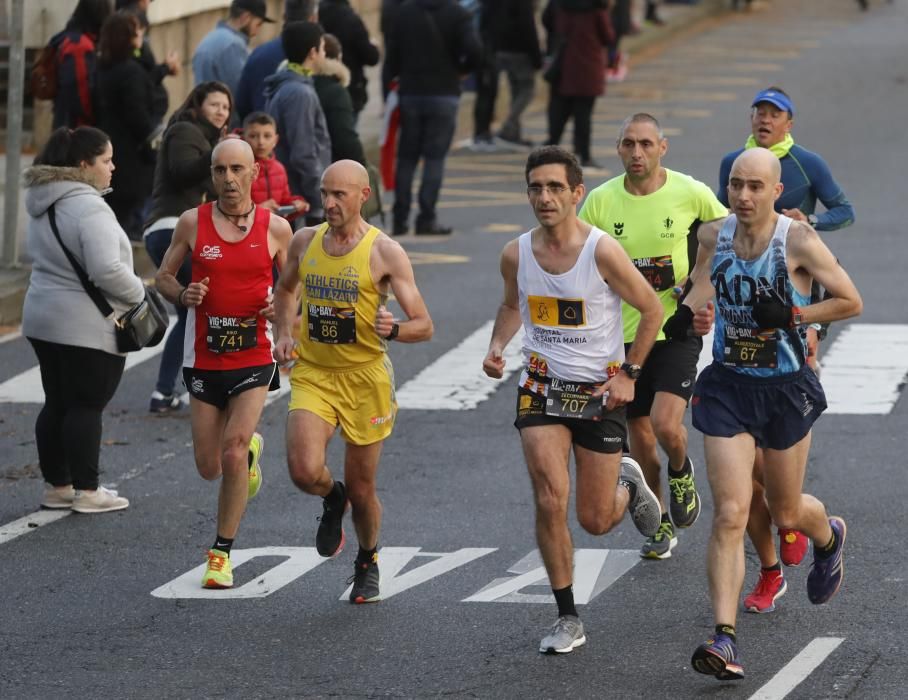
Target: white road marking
x=6, y=337
x=455, y=381
x=796, y=670
x=594, y=571
x=26, y=387
x=864, y=370
x=30, y=523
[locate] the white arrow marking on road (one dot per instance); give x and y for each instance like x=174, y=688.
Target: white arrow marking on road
x=865, y=369
x=796, y=670
x=594, y=571
x=300, y=560
x=455, y=381
x=30, y=523
x=26, y=387
x=394, y=559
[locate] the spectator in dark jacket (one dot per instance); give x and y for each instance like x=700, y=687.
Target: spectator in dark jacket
x=76, y=45
x=156, y=71
x=305, y=145
x=585, y=29
x=182, y=180
x=341, y=20
x=331, y=83
x=432, y=44
x=126, y=114
x=264, y=60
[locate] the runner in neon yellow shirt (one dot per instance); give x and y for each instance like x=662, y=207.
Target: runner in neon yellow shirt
x=653, y=212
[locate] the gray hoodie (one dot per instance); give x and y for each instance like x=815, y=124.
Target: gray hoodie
x=57, y=309
x=305, y=144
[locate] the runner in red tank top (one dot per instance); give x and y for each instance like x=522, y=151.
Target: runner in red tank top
x=228, y=367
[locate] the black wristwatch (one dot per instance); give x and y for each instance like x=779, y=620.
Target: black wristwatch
x=395, y=329
x=632, y=371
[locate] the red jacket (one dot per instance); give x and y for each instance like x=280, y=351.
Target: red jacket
x=272, y=183
x=587, y=32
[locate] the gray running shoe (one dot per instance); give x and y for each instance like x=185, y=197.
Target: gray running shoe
x=660, y=545
x=644, y=506
x=566, y=635
x=365, y=582
x=685, y=501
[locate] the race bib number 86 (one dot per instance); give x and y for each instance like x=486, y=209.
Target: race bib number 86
x=331, y=324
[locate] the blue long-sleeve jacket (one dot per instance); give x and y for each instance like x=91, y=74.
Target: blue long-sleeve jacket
x=806, y=178
x=262, y=63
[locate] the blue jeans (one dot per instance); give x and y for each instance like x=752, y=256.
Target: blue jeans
x=426, y=129
x=156, y=243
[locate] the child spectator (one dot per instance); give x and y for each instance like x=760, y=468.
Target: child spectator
x=271, y=188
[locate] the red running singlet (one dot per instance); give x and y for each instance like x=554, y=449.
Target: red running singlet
x=226, y=331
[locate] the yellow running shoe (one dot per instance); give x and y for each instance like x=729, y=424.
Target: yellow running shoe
x=219, y=573
x=256, y=445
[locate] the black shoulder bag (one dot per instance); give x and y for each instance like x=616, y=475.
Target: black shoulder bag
x=144, y=325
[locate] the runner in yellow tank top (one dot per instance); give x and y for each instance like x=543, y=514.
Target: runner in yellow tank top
x=342, y=376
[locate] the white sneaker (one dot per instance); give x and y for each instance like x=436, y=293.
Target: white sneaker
x=100, y=501
x=57, y=497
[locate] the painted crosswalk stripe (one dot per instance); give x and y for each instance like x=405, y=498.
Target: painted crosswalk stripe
x=30, y=523
x=26, y=387
x=455, y=381
x=865, y=369
x=799, y=668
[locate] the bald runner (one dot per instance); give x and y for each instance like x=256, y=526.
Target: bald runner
x=759, y=391
x=342, y=377
x=228, y=366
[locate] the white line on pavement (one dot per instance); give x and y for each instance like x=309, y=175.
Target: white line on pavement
x=796, y=670
x=6, y=337
x=29, y=523
x=26, y=387
x=455, y=380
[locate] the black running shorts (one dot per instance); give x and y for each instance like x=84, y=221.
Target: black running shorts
x=777, y=411
x=671, y=367
x=218, y=386
x=608, y=435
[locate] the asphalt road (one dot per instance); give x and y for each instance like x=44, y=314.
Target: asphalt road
x=78, y=614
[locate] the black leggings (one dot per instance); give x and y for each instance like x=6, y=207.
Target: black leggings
x=78, y=384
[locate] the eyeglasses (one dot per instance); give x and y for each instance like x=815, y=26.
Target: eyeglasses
x=554, y=188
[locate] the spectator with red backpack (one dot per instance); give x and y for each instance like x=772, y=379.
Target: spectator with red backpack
x=71, y=61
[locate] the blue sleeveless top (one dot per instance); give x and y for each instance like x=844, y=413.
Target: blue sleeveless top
x=739, y=344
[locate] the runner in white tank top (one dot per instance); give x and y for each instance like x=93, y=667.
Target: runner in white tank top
x=564, y=282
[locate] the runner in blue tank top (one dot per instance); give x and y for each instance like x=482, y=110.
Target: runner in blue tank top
x=758, y=392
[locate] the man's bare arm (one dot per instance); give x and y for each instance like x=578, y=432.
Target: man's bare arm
x=181, y=245
x=285, y=298
x=507, y=320
x=807, y=251
x=395, y=266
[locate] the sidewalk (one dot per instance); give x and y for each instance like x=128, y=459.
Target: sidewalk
x=677, y=18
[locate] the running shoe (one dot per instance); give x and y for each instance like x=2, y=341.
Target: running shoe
x=164, y=404
x=792, y=546
x=718, y=656
x=684, y=505
x=365, y=581
x=100, y=501
x=644, y=506
x=57, y=498
x=330, y=538
x=218, y=573
x=660, y=545
x=826, y=575
x=770, y=587
x=256, y=445
x=566, y=635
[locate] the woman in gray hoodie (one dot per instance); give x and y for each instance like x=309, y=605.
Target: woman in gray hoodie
x=75, y=344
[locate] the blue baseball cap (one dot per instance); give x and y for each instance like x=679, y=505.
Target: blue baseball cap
x=774, y=97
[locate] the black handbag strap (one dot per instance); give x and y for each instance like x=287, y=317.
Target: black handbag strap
x=90, y=287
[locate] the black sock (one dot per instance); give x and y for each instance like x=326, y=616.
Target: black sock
x=728, y=630
x=775, y=567
x=564, y=597
x=685, y=469
x=223, y=543
x=826, y=550
x=367, y=556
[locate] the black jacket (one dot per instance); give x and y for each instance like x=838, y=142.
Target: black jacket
x=330, y=86
x=431, y=45
x=341, y=20
x=510, y=25
x=182, y=178
x=126, y=114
